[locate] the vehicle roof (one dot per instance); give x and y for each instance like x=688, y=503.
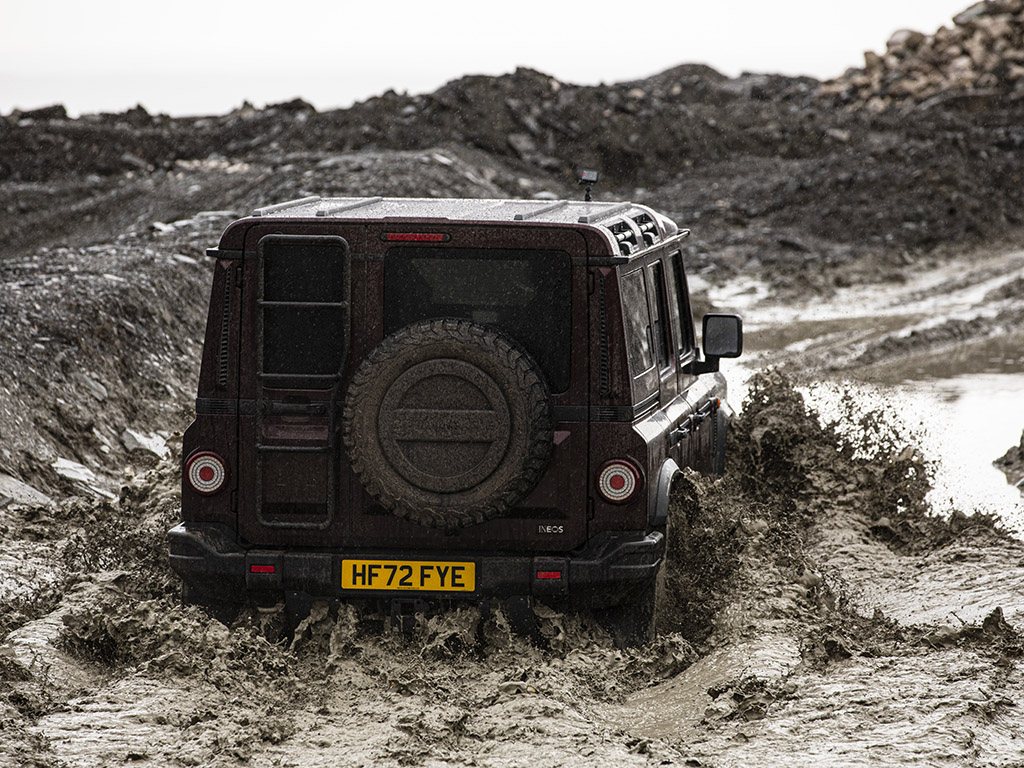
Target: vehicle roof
x=631, y=226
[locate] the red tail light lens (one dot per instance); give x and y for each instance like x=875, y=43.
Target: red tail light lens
x=206, y=473
x=618, y=481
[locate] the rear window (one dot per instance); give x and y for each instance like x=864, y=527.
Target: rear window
x=525, y=294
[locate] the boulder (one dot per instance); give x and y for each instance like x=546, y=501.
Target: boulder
x=904, y=40
x=976, y=11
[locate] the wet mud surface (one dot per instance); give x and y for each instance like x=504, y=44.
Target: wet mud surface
x=816, y=615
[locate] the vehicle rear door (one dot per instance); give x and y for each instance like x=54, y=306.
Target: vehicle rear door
x=299, y=325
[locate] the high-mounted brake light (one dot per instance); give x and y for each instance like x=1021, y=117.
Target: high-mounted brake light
x=617, y=481
x=549, y=575
x=416, y=237
x=206, y=473
x=261, y=569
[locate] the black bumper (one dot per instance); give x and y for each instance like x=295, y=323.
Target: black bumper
x=612, y=568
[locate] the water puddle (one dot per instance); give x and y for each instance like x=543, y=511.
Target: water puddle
x=678, y=707
x=962, y=401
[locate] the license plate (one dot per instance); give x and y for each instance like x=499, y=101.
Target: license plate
x=408, y=574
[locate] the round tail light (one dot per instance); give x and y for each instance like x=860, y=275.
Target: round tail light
x=618, y=481
x=206, y=473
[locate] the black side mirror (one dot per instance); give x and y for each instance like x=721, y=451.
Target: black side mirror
x=722, y=336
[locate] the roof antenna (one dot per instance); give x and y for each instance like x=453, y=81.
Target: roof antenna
x=588, y=179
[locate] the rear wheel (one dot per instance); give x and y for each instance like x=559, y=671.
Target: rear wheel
x=519, y=612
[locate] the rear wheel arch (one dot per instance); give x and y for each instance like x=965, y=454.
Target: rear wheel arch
x=658, y=514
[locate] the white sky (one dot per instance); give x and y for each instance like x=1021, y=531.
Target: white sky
x=207, y=56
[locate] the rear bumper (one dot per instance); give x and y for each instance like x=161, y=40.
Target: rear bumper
x=609, y=570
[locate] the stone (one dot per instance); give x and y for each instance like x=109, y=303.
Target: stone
x=522, y=143
x=904, y=40
x=152, y=443
x=839, y=134
x=72, y=470
x=14, y=491
x=974, y=12
x=55, y=112
x=996, y=27
x=92, y=386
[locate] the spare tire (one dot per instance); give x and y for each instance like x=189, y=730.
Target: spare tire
x=447, y=423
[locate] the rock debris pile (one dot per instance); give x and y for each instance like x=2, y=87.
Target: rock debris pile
x=979, y=58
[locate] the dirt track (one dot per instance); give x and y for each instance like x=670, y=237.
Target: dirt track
x=820, y=615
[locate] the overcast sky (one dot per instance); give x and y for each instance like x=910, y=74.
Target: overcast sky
x=207, y=56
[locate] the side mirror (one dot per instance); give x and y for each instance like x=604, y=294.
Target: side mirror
x=722, y=336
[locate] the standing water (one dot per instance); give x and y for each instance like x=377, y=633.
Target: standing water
x=942, y=355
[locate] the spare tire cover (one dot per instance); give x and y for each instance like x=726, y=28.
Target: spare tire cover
x=447, y=423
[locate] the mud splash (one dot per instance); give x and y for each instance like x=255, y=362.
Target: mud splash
x=857, y=627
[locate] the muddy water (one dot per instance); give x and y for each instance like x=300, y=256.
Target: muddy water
x=961, y=398
x=927, y=699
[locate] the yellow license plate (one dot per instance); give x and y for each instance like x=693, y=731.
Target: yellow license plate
x=408, y=574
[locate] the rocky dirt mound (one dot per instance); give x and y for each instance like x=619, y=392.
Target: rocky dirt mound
x=977, y=62
x=102, y=344
x=769, y=175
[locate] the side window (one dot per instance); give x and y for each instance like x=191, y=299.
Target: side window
x=639, y=338
x=638, y=328
x=660, y=315
x=679, y=307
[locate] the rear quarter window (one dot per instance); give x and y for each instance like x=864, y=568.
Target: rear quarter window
x=637, y=323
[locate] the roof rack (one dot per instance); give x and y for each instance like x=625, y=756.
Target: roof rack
x=333, y=209
x=290, y=204
x=593, y=218
x=540, y=211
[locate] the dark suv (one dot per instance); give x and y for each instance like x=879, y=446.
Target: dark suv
x=427, y=400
